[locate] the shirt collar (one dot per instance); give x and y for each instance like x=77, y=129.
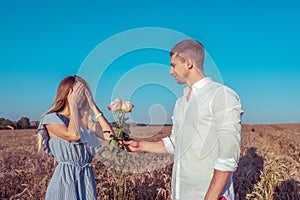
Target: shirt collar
x=198, y=85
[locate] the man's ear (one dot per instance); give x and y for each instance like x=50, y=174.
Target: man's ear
x=189, y=63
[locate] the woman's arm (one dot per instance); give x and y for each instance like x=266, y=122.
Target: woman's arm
x=69, y=132
x=62, y=131
x=105, y=126
x=105, y=130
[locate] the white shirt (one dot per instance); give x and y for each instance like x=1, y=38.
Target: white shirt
x=205, y=136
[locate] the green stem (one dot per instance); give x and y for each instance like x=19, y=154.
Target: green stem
x=124, y=174
x=119, y=133
x=125, y=188
x=122, y=178
x=119, y=187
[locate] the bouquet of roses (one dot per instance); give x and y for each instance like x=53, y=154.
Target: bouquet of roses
x=120, y=109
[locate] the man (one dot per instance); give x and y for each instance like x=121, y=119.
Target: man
x=205, y=138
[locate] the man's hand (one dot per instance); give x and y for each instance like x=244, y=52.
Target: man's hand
x=146, y=146
x=132, y=145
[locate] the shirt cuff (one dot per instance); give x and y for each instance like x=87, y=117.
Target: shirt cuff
x=168, y=144
x=226, y=164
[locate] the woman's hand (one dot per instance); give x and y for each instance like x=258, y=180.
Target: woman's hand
x=90, y=100
x=89, y=97
x=76, y=94
x=106, y=135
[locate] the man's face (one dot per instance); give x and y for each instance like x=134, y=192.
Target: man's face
x=178, y=69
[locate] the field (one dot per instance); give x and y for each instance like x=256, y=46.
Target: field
x=269, y=166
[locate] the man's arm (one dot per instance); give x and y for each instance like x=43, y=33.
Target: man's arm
x=227, y=115
x=146, y=146
x=217, y=184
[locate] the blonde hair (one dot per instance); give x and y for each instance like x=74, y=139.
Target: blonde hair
x=61, y=101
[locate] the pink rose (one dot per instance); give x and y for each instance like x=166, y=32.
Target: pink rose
x=127, y=106
x=116, y=105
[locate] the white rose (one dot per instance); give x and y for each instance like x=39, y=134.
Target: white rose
x=116, y=105
x=127, y=106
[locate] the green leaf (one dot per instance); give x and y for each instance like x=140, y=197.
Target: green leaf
x=106, y=154
x=117, y=161
x=112, y=145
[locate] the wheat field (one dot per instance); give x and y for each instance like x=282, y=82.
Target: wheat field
x=269, y=166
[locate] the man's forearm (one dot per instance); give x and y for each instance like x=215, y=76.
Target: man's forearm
x=217, y=184
x=153, y=147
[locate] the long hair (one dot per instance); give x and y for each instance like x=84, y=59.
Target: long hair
x=61, y=101
x=62, y=94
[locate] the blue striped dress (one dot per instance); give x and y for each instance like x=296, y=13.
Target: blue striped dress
x=73, y=177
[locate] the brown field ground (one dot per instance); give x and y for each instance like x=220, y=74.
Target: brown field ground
x=269, y=166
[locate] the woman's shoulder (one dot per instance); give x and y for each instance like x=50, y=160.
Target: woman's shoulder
x=51, y=118
x=50, y=114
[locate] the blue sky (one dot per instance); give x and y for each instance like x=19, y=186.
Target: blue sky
x=254, y=46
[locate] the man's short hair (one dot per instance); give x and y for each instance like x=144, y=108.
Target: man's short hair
x=190, y=49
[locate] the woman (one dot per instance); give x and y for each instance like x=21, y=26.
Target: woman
x=68, y=133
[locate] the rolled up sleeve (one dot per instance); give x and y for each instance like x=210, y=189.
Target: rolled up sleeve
x=229, y=164
x=169, y=144
x=227, y=111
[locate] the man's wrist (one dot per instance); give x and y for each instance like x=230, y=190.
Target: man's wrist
x=141, y=146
